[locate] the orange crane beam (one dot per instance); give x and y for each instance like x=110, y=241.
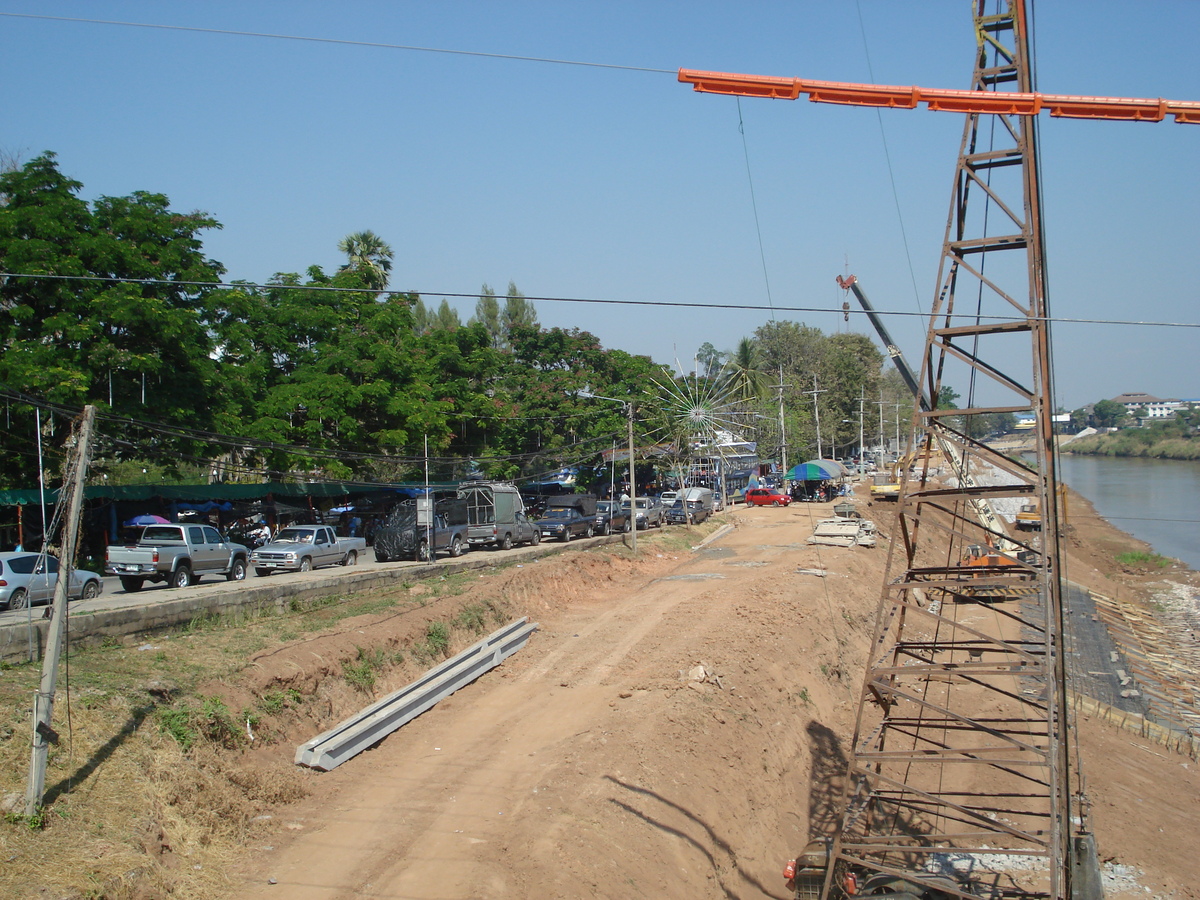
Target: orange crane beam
x=1128, y=109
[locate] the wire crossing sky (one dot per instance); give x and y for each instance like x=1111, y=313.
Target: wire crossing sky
x=443, y=128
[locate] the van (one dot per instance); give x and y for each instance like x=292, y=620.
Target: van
x=696, y=503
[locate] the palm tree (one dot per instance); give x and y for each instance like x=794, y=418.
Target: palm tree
x=369, y=256
x=744, y=372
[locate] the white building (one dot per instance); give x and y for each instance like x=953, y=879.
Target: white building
x=1154, y=407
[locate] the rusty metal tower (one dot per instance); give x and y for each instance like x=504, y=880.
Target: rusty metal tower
x=958, y=777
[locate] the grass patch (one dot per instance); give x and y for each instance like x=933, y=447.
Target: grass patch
x=1143, y=560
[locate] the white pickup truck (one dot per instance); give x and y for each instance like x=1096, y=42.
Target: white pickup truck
x=300, y=548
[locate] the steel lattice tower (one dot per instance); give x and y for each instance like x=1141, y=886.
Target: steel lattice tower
x=959, y=761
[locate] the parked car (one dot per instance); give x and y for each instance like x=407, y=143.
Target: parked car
x=650, y=512
x=695, y=503
x=611, y=517
x=299, y=548
x=565, y=522
x=177, y=554
x=29, y=578
x=766, y=497
x=406, y=535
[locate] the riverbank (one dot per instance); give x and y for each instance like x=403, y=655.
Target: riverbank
x=1135, y=443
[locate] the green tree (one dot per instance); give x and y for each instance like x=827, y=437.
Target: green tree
x=709, y=360
x=1108, y=414
x=111, y=340
x=487, y=314
x=744, y=371
x=446, y=317
x=518, y=312
x=368, y=256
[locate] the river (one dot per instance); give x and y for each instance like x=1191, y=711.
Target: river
x=1155, y=500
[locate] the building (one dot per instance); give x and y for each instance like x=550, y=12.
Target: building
x=1151, y=407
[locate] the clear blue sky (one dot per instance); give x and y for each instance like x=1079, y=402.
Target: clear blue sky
x=597, y=183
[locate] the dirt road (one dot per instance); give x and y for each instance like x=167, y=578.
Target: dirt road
x=676, y=729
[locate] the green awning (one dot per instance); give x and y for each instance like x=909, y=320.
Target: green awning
x=198, y=493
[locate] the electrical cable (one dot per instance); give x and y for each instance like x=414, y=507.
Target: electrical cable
x=912, y=274
x=378, y=45
x=667, y=304
x=762, y=255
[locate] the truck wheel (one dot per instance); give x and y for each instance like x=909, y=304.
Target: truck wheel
x=306, y=564
x=422, y=554
x=380, y=556
x=130, y=584
x=566, y=536
x=237, y=571
x=628, y=527
x=456, y=549
x=181, y=577
x=536, y=539
x=350, y=558
x=590, y=531
x=18, y=599
x=506, y=543
x=263, y=573
x=91, y=591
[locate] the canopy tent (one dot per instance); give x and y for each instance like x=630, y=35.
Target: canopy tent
x=818, y=470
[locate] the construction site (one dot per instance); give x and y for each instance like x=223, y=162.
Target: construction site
x=924, y=702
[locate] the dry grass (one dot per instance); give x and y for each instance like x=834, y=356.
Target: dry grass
x=153, y=789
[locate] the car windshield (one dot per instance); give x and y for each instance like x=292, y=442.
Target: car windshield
x=642, y=503
x=558, y=514
x=295, y=536
x=604, y=506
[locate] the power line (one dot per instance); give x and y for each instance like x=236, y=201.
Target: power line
x=379, y=45
x=672, y=304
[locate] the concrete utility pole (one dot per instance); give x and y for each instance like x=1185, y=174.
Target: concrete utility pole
x=633, y=485
x=782, y=430
x=862, y=399
x=43, y=709
x=817, y=415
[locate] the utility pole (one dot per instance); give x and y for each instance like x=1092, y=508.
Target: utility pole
x=43, y=709
x=862, y=400
x=882, y=439
x=633, y=486
x=817, y=415
x=782, y=429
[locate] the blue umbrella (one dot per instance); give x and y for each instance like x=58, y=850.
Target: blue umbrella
x=817, y=470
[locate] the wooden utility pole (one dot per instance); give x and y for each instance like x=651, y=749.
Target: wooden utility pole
x=43, y=709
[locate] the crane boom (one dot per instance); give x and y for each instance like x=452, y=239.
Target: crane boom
x=1016, y=103
x=850, y=283
x=988, y=519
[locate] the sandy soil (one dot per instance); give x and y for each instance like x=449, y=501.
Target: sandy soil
x=677, y=728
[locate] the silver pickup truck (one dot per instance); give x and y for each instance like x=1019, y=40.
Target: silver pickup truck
x=177, y=554
x=300, y=548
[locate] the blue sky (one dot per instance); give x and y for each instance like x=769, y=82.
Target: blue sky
x=593, y=182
